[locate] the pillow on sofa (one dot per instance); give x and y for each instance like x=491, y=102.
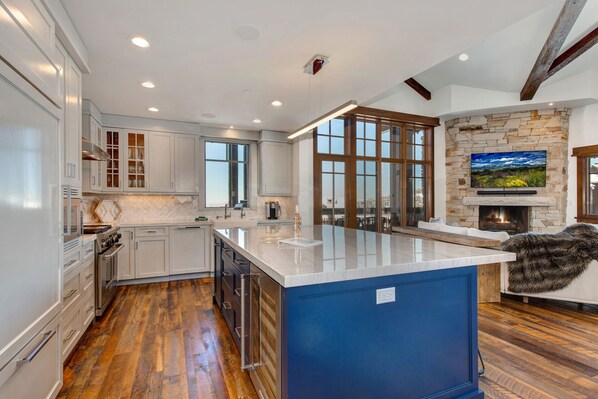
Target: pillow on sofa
x=491, y=235
x=442, y=227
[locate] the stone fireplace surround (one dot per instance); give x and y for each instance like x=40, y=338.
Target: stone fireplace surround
x=546, y=129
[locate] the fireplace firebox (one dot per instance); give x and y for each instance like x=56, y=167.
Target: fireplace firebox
x=512, y=219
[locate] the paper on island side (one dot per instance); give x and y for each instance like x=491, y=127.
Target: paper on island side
x=300, y=242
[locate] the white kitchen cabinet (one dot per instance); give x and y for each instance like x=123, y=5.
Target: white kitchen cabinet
x=71, y=124
x=152, y=255
x=42, y=376
x=135, y=167
x=92, y=170
x=161, y=162
x=112, y=170
x=189, y=252
x=186, y=157
x=275, y=168
x=126, y=256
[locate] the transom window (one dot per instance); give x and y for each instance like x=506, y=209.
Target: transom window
x=372, y=173
x=226, y=168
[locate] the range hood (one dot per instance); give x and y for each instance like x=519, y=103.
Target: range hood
x=92, y=152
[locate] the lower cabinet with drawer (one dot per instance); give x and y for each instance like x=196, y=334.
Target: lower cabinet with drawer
x=36, y=371
x=78, y=297
x=151, y=252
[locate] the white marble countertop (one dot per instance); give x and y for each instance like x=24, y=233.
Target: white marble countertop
x=87, y=238
x=348, y=254
x=165, y=223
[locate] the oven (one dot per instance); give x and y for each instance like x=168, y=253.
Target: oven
x=107, y=248
x=73, y=215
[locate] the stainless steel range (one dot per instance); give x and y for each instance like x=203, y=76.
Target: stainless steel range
x=107, y=247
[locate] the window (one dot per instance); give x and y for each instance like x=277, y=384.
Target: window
x=587, y=183
x=226, y=169
x=373, y=173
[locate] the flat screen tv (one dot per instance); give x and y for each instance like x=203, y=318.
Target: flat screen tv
x=508, y=169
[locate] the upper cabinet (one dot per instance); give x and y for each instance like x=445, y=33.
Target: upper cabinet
x=136, y=161
x=275, y=168
x=186, y=163
x=28, y=40
x=71, y=124
x=143, y=161
x=161, y=166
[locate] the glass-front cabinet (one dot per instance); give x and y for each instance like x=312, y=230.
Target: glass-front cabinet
x=126, y=171
x=113, y=177
x=136, y=161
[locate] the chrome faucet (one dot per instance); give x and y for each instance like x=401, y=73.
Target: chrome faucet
x=240, y=207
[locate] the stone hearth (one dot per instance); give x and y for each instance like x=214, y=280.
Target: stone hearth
x=520, y=131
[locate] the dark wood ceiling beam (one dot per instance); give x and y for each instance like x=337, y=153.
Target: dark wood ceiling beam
x=558, y=34
x=573, y=52
x=415, y=85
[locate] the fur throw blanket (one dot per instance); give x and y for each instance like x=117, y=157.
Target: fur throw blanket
x=549, y=262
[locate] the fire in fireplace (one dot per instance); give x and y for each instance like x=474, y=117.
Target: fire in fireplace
x=512, y=219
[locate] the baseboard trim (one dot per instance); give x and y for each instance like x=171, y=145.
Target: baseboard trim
x=164, y=279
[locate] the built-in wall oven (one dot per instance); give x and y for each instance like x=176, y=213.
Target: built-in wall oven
x=107, y=248
x=73, y=215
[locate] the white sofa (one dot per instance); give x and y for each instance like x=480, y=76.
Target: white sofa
x=467, y=231
x=584, y=289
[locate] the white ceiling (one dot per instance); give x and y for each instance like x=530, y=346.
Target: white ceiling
x=201, y=66
x=504, y=60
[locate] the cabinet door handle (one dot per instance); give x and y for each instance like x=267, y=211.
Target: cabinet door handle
x=71, y=262
x=151, y=231
x=88, y=275
x=237, y=331
x=93, y=180
x=70, y=294
x=69, y=336
x=171, y=184
x=89, y=308
x=226, y=274
x=244, y=365
x=226, y=305
x=136, y=244
x=237, y=291
x=240, y=262
x=29, y=358
x=89, y=251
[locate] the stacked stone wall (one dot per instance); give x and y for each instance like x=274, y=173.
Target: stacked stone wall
x=546, y=129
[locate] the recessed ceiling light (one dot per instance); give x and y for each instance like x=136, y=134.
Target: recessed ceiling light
x=257, y=121
x=463, y=57
x=231, y=127
x=551, y=104
x=246, y=91
x=153, y=109
x=276, y=103
x=208, y=115
x=140, y=42
x=148, y=85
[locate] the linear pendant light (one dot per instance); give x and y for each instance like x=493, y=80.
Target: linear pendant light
x=346, y=107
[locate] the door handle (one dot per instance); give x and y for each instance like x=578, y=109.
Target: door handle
x=71, y=262
x=29, y=358
x=227, y=305
x=70, y=294
x=69, y=336
x=226, y=274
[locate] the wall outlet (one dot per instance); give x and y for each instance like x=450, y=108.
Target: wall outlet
x=385, y=295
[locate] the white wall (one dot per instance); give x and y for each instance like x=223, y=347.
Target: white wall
x=583, y=125
x=439, y=172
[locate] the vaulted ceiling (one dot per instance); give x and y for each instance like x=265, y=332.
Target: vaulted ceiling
x=209, y=66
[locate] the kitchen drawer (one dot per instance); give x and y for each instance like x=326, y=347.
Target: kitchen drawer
x=40, y=375
x=88, y=250
x=228, y=272
x=88, y=311
x=71, y=291
x=87, y=276
x=71, y=330
x=150, y=231
x=227, y=304
x=71, y=260
x=227, y=252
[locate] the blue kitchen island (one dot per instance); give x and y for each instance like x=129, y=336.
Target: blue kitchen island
x=363, y=315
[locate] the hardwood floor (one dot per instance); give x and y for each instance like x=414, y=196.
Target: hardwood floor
x=158, y=341
x=540, y=350
x=165, y=341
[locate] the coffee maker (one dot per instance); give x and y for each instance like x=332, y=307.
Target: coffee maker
x=272, y=210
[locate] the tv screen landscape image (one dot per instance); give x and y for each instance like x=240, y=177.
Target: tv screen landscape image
x=508, y=169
